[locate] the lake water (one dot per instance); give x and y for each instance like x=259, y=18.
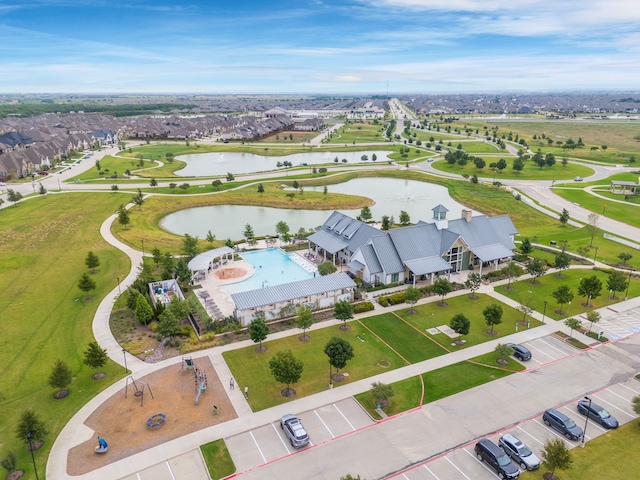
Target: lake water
x=391, y=195
x=221, y=163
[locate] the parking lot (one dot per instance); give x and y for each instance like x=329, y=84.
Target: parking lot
x=461, y=463
x=547, y=349
x=268, y=443
x=617, y=326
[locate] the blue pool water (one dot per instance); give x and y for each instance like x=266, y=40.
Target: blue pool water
x=273, y=267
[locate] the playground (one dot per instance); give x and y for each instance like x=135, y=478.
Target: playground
x=171, y=391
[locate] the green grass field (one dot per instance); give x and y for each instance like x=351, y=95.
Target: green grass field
x=45, y=316
x=530, y=172
x=358, y=133
x=218, y=460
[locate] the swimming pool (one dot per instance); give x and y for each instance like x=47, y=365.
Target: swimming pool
x=273, y=267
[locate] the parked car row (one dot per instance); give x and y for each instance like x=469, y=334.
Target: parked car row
x=511, y=452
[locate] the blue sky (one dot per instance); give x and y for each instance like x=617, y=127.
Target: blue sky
x=318, y=46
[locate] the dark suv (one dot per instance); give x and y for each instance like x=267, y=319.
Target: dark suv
x=521, y=352
x=499, y=461
x=562, y=423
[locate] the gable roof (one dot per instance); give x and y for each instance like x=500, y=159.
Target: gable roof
x=349, y=232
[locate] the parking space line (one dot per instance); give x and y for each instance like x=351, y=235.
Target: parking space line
x=345, y=418
x=542, y=352
x=258, y=447
x=454, y=465
x=280, y=437
x=541, y=443
x=596, y=424
x=623, y=385
x=170, y=471
x=325, y=425
x=554, y=432
x=620, y=396
x=555, y=348
x=434, y=475
x=612, y=405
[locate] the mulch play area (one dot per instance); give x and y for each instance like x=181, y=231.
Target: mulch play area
x=122, y=422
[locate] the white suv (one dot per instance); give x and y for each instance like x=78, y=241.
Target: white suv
x=294, y=430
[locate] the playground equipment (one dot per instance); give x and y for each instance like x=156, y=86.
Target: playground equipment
x=156, y=420
x=102, y=445
x=199, y=376
x=139, y=387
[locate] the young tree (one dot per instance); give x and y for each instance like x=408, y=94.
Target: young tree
x=247, y=233
x=258, y=331
x=61, y=376
x=169, y=324
x=365, y=214
x=386, y=223
x=9, y=462
x=156, y=253
x=526, y=247
x=556, y=455
x=563, y=261
x=123, y=216
x=492, y=316
x=13, y=196
x=42, y=190
x=593, y=316
x=189, y=246
x=282, y=229
x=592, y=226
x=564, y=217
x=590, y=287
x=563, y=295
x=473, y=284
x=287, y=369
x=503, y=351
x=405, y=219
x=86, y=284
x=260, y=189
x=343, y=310
x=94, y=356
x=442, y=287
x=138, y=198
x=411, y=296
x=92, y=262
x=535, y=268
x=304, y=320
x=326, y=268
x=617, y=282
x=339, y=352
x=460, y=324
x=635, y=404
x=153, y=182
x=381, y=394
x=625, y=257
x=512, y=270
x=143, y=311
x=210, y=237
x=30, y=423
x=573, y=324
x=230, y=177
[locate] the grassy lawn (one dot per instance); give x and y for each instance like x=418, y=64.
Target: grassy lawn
x=371, y=357
x=403, y=338
x=432, y=315
x=530, y=172
x=218, y=459
x=535, y=294
x=359, y=133
x=45, y=317
x=612, y=455
x=441, y=383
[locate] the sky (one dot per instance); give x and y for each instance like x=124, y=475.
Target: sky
x=318, y=46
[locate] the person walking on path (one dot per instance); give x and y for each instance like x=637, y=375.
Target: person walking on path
x=246, y=392
x=231, y=384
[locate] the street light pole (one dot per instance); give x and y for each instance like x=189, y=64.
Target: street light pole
x=586, y=422
x=594, y=257
x=33, y=459
x=544, y=311
x=124, y=354
x=118, y=280
x=330, y=357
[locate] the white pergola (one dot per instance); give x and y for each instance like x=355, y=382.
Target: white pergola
x=206, y=261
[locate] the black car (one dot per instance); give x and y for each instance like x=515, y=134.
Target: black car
x=562, y=423
x=499, y=461
x=596, y=413
x=521, y=352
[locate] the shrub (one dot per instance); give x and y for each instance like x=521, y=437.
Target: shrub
x=393, y=299
x=363, y=307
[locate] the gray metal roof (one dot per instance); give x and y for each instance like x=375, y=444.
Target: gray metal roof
x=424, y=266
x=326, y=241
x=418, y=241
x=355, y=265
x=202, y=261
x=387, y=254
x=291, y=291
x=350, y=231
x=480, y=230
x=488, y=253
x=371, y=259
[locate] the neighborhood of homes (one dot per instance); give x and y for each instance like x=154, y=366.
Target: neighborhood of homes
x=420, y=252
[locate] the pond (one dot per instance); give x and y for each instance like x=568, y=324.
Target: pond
x=392, y=195
x=221, y=163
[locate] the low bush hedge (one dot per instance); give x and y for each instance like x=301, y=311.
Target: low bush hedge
x=363, y=307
